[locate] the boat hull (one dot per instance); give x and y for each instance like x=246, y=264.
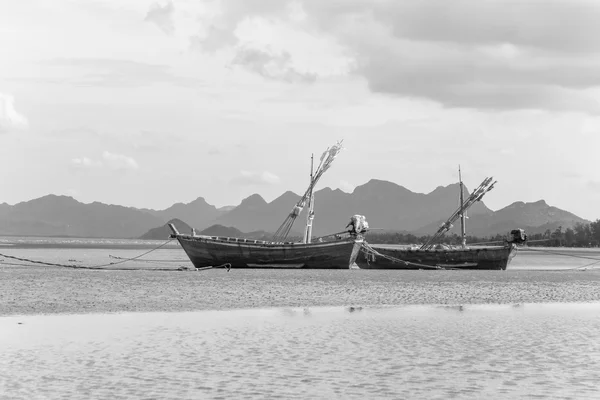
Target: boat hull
x=242, y=253
x=482, y=258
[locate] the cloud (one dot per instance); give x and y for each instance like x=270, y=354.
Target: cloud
x=118, y=73
x=270, y=65
x=119, y=161
x=218, y=30
x=461, y=54
x=111, y=161
x=162, y=17
x=10, y=118
x=255, y=178
x=215, y=39
x=84, y=163
x=594, y=185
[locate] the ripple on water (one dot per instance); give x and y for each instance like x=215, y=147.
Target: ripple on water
x=546, y=351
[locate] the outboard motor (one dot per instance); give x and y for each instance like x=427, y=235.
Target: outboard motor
x=358, y=224
x=518, y=236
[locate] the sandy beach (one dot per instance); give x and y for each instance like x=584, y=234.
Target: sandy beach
x=48, y=290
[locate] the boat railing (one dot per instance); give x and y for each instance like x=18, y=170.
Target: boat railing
x=237, y=240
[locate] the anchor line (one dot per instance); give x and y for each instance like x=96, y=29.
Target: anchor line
x=596, y=260
x=560, y=254
x=103, y=266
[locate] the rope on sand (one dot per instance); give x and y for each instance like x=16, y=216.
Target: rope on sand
x=596, y=260
x=150, y=261
x=104, y=266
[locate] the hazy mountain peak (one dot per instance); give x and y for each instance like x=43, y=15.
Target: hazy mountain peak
x=521, y=204
x=381, y=187
x=253, y=201
x=55, y=198
x=199, y=200
x=288, y=197
x=50, y=201
x=163, y=232
x=539, y=203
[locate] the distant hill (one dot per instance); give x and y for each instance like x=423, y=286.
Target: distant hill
x=254, y=213
x=534, y=217
x=229, y=231
x=53, y=215
x=386, y=205
x=220, y=230
x=197, y=213
x=163, y=232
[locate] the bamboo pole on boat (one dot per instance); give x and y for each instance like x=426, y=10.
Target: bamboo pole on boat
x=327, y=159
x=463, y=234
x=311, y=205
x=476, y=196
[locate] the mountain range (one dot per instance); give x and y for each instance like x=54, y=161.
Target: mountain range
x=386, y=205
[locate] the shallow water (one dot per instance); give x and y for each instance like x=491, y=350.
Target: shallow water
x=417, y=352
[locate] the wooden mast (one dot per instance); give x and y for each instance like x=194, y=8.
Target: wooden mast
x=463, y=235
x=327, y=159
x=310, y=215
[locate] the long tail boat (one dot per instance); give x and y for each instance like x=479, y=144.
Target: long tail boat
x=433, y=255
x=339, y=253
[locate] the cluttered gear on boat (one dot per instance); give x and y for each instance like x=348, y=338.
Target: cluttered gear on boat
x=517, y=236
x=358, y=224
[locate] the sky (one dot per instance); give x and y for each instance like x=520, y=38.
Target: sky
x=145, y=104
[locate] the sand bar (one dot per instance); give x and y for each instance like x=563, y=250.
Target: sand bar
x=49, y=290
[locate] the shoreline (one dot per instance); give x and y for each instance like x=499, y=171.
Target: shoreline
x=291, y=311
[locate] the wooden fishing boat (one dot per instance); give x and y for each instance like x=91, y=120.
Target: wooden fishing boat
x=337, y=253
x=433, y=255
x=245, y=253
x=476, y=257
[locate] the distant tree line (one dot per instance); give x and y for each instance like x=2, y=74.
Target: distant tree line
x=581, y=235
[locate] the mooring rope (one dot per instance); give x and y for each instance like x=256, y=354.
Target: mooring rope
x=103, y=266
x=370, y=251
x=596, y=260
x=151, y=261
x=505, y=241
x=559, y=253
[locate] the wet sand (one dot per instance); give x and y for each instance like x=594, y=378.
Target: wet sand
x=49, y=290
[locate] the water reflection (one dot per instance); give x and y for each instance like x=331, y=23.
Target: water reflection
x=306, y=312
x=459, y=308
x=320, y=352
